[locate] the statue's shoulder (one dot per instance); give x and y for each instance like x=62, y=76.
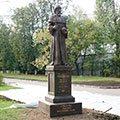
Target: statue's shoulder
x=64, y=17
x=52, y=18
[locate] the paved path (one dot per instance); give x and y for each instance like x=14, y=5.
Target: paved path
x=75, y=87
x=91, y=97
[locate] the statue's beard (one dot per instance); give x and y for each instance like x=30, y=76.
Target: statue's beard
x=58, y=14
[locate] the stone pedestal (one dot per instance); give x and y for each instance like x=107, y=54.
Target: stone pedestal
x=60, y=109
x=59, y=100
x=59, y=84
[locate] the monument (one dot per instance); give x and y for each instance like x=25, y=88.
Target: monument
x=59, y=101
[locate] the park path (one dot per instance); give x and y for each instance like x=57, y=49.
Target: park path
x=91, y=97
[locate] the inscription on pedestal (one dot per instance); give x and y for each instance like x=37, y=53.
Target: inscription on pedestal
x=55, y=110
x=65, y=108
x=63, y=84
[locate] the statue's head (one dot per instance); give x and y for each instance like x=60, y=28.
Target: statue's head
x=57, y=10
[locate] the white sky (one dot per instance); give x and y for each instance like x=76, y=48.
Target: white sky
x=85, y=5
x=6, y=6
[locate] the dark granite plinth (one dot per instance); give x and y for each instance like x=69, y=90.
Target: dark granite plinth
x=59, y=84
x=59, y=101
x=60, y=109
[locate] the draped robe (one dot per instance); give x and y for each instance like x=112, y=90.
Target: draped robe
x=58, y=54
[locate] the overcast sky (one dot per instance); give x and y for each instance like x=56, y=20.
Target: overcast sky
x=6, y=6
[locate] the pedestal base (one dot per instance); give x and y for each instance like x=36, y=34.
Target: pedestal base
x=60, y=109
x=59, y=99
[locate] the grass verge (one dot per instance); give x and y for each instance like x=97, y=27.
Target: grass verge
x=94, y=79
x=23, y=76
x=74, y=78
x=4, y=87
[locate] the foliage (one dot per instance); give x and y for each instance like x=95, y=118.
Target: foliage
x=21, y=40
x=43, y=39
x=92, y=45
x=7, y=58
x=107, y=15
x=82, y=34
x=29, y=21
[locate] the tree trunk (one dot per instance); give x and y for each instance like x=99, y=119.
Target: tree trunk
x=77, y=67
x=92, y=68
x=103, y=67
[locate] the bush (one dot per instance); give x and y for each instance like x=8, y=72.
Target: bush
x=1, y=79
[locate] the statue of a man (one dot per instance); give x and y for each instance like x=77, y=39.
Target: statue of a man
x=58, y=30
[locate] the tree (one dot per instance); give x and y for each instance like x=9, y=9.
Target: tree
x=107, y=14
x=25, y=24
x=81, y=38
x=7, y=58
x=27, y=21
x=43, y=39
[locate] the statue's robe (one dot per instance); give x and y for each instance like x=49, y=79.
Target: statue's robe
x=58, y=54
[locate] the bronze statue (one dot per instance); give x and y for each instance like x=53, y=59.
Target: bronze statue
x=58, y=30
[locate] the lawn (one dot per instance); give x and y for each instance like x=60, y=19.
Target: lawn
x=23, y=76
x=94, y=79
x=8, y=114
x=4, y=87
x=11, y=113
x=74, y=78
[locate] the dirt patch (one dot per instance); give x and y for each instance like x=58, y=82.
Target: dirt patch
x=35, y=114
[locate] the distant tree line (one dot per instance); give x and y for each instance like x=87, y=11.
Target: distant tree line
x=92, y=44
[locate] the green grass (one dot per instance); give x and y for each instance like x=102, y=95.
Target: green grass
x=4, y=87
x=74, y=78
x=9, y=114
x=23, y=76
x=94, y=79
x=5, y=103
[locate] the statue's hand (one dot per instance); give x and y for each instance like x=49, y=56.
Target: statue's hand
x=55, y=27
x=64, y=30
